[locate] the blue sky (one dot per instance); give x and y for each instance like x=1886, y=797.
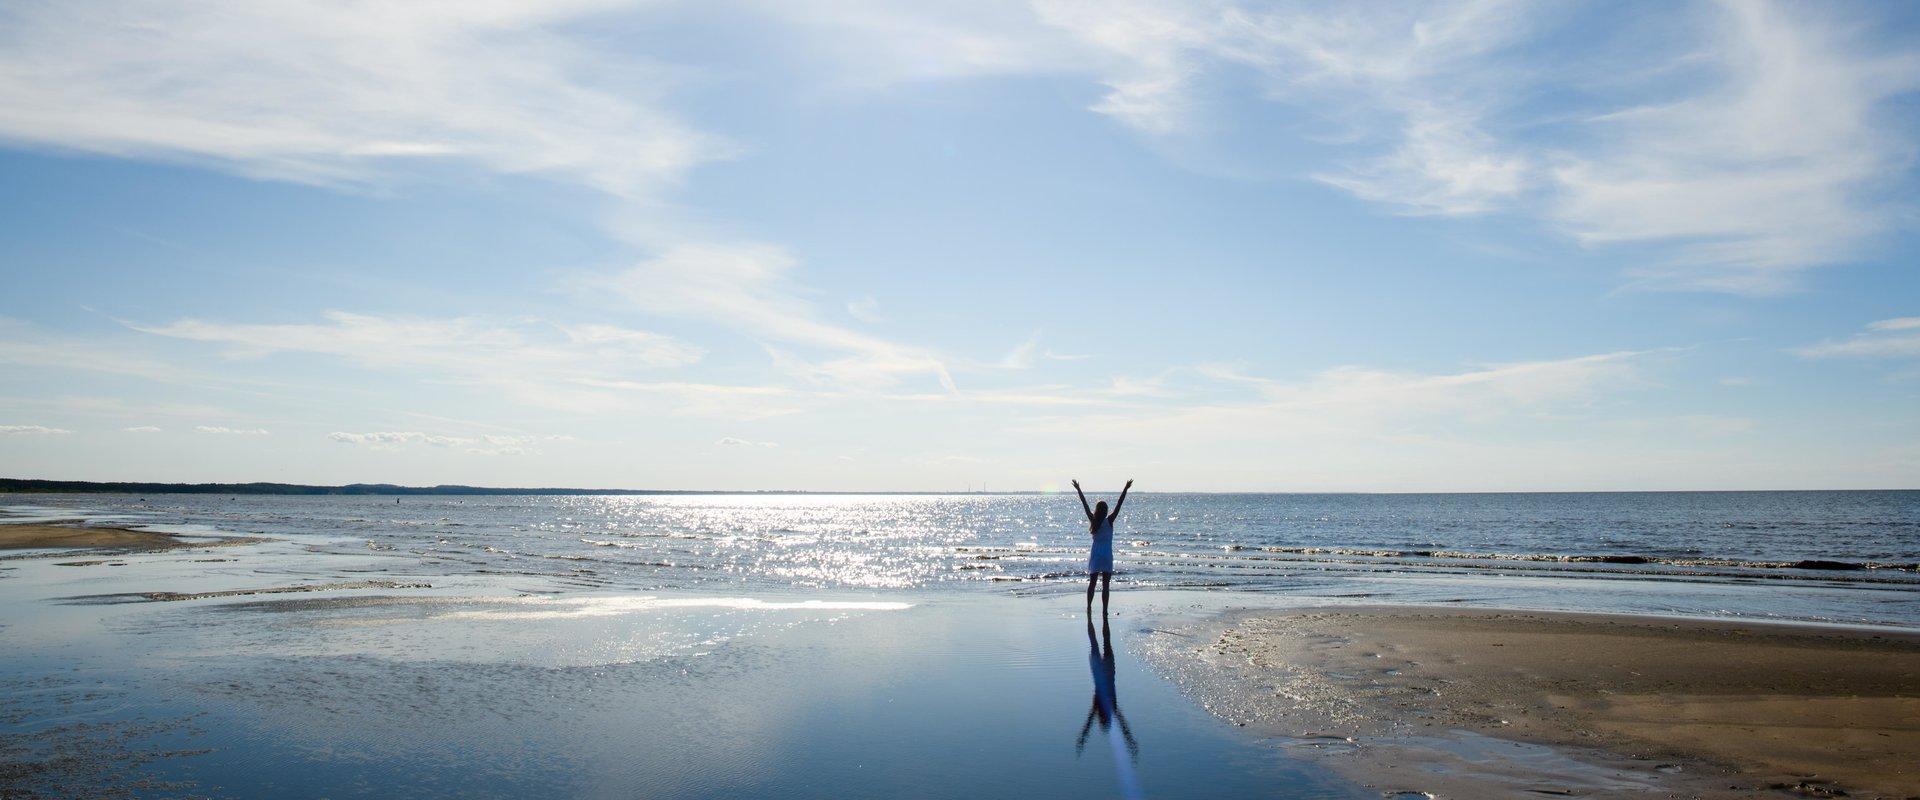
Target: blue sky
x=1212, y=246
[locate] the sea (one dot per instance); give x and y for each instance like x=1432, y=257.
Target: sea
x=1814, y=556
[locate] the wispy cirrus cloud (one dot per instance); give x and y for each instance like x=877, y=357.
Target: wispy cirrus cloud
x=1509, y=424
x=1365, y=401
x=141, y=429
x=735, y=441
x=1888, y=338
x=749, y=289
x=1745, y=154
x=1741, y=143
x=27, y=345
x=460, y=344
x=1780, y=162
x=343, y=93
x=539, y=363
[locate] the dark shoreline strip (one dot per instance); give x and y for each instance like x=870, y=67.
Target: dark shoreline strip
x=168, y=597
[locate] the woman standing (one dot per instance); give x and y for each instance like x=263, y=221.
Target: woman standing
x=1100, y=560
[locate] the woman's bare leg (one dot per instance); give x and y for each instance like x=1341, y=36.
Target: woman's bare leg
x=1092, y=578
x=1106, y=582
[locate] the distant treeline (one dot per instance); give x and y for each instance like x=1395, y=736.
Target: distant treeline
x=24, y=485
x=29, y=485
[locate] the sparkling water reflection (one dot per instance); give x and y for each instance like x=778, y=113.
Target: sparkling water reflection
x=1326, y=544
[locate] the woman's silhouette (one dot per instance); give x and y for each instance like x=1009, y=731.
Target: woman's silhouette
x=1100, y=559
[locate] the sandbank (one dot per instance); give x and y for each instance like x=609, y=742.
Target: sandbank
x=1419, y=699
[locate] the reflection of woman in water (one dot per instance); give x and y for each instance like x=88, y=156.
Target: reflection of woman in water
x=1106, y=703
x=1100, y=560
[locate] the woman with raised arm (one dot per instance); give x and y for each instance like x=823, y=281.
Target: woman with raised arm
x=1100, y=560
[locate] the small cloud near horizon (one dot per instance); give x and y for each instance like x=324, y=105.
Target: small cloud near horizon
x=226, y=431
x=30, y=430
x=485, y=444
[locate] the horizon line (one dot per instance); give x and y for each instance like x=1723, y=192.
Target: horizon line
x=58, y=486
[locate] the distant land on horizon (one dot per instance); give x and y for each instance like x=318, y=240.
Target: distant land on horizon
x=30, y=485
x=40, y=486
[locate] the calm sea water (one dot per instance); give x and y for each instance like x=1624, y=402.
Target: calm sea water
x=962, y=542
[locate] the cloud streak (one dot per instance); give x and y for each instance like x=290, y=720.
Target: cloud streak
x=342, y=93
x=749, y=289
x=537, y=362
x=1887, y=338
x=1348, y=401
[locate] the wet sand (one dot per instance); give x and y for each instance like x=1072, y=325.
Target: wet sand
x=1447, y=701
x=479, y=689
x=24, y=536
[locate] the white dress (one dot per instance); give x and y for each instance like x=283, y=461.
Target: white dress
x=1101, y=558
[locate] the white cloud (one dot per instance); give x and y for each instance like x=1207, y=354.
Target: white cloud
x=1124, y=386
x=1896, y=324
x=485, y=444
x=399, y=437
x=1361, y=404
x=142, y=429
x=535, y=362
x=1444, y=165
x=1765, y=169
x=460, y=344
x=1022, y=357
x=1052, y=395
x=865, y=309
x=1887, y=338
x=1397, y=76
x=30, y=430
x=341, y=93
x=748, y=288
x=1741, y=143
x=876, y=45
x=1147, y=53
x=735, y=441
x=740, y=402
x=27, y=345
x=1763, y=165
x=226, y=431
x=1769, y=171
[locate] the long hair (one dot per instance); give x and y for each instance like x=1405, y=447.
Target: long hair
x=1099, y=512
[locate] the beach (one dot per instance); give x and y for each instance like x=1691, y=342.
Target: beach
x=1712, y=708
x=28, y=536
x=837, y=647
x=1172, y=399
